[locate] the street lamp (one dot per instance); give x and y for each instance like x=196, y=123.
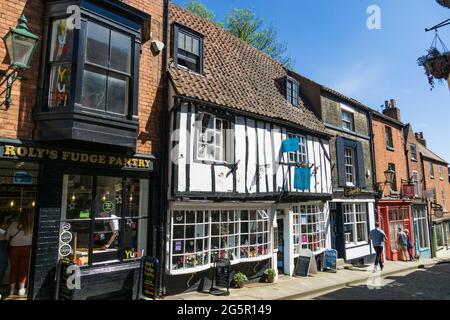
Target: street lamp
x=390, y=176
x=20, y=45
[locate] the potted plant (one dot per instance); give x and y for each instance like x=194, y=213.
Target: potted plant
x=444, y=3
x=436, y=65
x=240, y=279
x=270, y=275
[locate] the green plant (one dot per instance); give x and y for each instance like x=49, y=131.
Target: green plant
x=436, y=65
x=270, y=275
x=444, y=3
x=240, y=279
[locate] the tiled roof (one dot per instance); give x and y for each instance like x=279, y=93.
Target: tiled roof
x=237, y=76
x=427, y=153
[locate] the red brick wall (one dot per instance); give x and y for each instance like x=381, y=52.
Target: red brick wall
x=16, y=122
x=438, y=183
x=417, y=164
x=383, y=156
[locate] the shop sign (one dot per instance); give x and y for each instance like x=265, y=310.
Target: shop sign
x=21, y=177
x=66, y=226
x=65, y=237
x=330, y=260
x=34, y=152
x=149, y=277
x=221, y=277
x=351, y=191
x=108, y=206
x=65, y=250
x=408, y=190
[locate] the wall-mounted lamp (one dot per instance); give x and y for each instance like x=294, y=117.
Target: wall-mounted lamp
x=390, y=176
x=20, y=45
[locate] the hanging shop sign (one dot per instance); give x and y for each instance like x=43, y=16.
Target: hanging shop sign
x=351, y=191
x=18, y=152
x=408, y=190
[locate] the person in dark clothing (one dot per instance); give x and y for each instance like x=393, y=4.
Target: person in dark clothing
x=409, y=245
x=378, y=238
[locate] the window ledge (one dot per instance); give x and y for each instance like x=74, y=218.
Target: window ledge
x=390, y=148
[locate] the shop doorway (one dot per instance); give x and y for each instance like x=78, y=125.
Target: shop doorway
x=280, y=242
x=18, y=188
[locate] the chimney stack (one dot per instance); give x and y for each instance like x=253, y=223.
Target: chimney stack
x=421, y=139
x=391, y=109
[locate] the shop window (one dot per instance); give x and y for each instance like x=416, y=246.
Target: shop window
x=213, y=142
x=188, y=50
x=104, y=219
x=199, y=237
x=309, y=228
x=420, y=219
x=301, y=155
x=355, y=223
x=398, y=218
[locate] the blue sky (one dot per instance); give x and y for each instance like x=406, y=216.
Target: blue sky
x=331, y=44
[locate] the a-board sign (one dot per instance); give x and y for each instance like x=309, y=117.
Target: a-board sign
x=330, y=260
x=221, y=277
x=302, y=266
x=149, y=277
x=63, y=292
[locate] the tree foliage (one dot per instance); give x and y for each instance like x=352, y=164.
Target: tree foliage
x=247, y=26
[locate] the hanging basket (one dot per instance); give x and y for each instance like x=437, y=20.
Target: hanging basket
x=444, y=3
x=436, y=62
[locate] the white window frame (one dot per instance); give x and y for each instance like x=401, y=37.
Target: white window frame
x=301, y=155
x=357, y=214
x=224, y=155
x=413, y=154
x=431, y=170
x=302, y=217
x=444, y=202
x=262, y=218
x=420, y=217
x=350, y=168
x=348, y=122
x=441, y=172
x=416, y=184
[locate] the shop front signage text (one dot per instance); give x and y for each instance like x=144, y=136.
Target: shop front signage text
x=82, y=157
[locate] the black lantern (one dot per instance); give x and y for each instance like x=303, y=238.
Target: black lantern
x=20, y=45
x=390, y=176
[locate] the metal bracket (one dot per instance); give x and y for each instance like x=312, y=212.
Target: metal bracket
x=10, y=78
x=439, y=25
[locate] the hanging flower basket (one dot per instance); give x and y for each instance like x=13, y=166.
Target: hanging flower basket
x=444, y=3
x=436, y=65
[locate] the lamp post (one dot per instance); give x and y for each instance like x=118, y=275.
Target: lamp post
x=389, y=175
x=20, y=45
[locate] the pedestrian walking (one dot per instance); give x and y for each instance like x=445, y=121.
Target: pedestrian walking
x=409, y=245
x=378, y=238
x=402, y=244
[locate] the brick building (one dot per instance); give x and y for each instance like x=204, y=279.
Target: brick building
x=393, y=205
x=352, y=208
x=80, y=141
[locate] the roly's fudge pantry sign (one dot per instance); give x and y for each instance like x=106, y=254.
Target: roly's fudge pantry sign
x=34, y=152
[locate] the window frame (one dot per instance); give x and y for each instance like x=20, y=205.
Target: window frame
x=413, y=146
x=352, y=166
x=238, y=233
x=441, y=172
x=393, y=167
x=292, y=94
x=355, y=210
x=444, y=202
x=302, y=152
x=143, y=207
x=107, y=19
x=421, y=220
x=416, y=183
x=351, y=121
x=226, y=138
x=432, y=176
x=315, y=217
x=177, y=28
x=389, y=138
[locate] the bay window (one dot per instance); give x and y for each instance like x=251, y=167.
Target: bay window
x=309, y=228
x=198, y=237
x=106, y=218
x=355, y=223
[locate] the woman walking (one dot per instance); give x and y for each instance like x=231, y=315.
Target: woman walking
x=20, y=236
x=409, y=245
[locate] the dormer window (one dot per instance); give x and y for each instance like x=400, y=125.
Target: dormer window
x=188, y=49
x=292, y=91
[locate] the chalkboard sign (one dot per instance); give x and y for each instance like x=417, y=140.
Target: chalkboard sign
x=62, y=291
x=221, y=277
x=330, y=260
x=302, y=266
x=149, y=277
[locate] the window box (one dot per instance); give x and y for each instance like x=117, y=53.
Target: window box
x=89, y=76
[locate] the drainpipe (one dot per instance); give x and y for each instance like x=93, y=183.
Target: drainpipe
x=164, y=127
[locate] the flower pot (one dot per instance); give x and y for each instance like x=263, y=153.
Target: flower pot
x=270, y=279
x=239, y=285
x=439, y=66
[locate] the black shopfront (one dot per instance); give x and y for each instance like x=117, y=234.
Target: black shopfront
x=94, y=193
